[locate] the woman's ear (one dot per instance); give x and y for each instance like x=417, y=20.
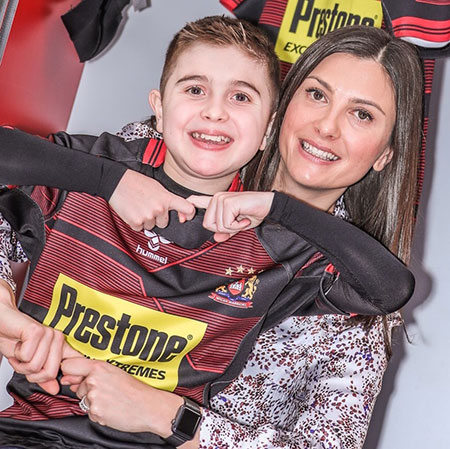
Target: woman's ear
x=384, y=159
x=154, y=98
x=263, y=145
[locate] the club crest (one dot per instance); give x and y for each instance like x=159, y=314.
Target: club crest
x=236, y=294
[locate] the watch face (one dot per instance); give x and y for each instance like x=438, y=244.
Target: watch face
x=187, y=422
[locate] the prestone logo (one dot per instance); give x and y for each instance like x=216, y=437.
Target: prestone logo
x=146, y=343
x=305, y=21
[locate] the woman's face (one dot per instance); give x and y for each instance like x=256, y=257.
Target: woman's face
x=336, y=128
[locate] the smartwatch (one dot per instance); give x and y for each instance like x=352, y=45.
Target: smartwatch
x=185, y=423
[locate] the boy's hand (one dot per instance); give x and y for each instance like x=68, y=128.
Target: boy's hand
x=144, y=203
x=228, y=213
x=31, y=348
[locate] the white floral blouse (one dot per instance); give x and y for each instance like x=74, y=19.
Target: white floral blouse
x=10, y=249
x=310, y=382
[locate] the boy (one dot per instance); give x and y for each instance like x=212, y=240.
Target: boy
x=172, y=308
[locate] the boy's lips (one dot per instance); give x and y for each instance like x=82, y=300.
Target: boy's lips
x=321, y=154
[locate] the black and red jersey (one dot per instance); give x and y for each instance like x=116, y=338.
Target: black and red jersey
x=174, y=308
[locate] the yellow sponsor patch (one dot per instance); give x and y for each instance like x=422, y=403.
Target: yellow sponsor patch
x=305, y=21
x=146, y=343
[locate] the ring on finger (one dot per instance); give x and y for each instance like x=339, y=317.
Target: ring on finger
x=84, y=405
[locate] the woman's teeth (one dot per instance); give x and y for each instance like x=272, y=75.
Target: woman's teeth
x=324, y=155
x=208, y=138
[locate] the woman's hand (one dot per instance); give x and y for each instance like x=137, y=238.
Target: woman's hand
x=31, y=348
x=118, y=400
x=230, y=212
x=144, y=203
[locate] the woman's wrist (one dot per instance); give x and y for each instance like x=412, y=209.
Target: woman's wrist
x=161, y=417
x=7, y=296
x=162, y=407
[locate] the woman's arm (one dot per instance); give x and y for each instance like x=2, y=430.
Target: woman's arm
x=320, y=395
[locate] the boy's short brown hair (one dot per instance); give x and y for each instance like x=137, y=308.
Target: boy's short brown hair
x=224, y=31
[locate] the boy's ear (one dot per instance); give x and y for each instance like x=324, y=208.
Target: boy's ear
x=267, y=133
x=154, y=98
x=384, y=159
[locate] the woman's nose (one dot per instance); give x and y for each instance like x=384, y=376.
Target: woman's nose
x=328, y=123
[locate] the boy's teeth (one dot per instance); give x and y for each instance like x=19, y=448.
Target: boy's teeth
x=318, y=153
x=217, y=139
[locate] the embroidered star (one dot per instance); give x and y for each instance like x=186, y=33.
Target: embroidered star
x=229, y=271
x=250, y=270
x=240, y=269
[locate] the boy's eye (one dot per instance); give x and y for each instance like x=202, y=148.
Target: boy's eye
x=364, y=116
x=241, y=97
x=316, y=94
x=195, y=90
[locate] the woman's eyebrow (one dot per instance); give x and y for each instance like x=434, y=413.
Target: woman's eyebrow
x=355, y=100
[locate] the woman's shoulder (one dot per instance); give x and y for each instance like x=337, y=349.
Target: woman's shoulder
x=333, y=334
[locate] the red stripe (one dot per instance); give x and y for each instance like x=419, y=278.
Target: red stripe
x=430, y=30
x=148, y=151
x=230, y=4
x=159, y=154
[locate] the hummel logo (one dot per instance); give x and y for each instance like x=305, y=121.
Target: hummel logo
x=155, y=240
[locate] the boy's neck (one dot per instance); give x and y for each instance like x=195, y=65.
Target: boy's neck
x=204, y=185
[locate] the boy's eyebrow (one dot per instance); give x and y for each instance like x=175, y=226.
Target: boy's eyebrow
x=353, y=100
x=241, y=83
x=192, y=78
x=202, y=78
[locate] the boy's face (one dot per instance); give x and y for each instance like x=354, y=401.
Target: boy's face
x=214, y=115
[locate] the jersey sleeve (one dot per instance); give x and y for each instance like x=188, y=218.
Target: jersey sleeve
x=369, y=280
x=330, y=403
x=30, y=160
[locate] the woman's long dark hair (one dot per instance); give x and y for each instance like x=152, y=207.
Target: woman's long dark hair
x=382, y=203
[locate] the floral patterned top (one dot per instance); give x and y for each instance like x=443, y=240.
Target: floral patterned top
x=10, y=249
x=310, y=382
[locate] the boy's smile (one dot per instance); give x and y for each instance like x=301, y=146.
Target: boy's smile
x=214, y=114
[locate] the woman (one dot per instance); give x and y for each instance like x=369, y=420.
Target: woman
x=346, y=140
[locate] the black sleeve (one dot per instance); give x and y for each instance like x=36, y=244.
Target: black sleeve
x=30, y=160
x=368, y=272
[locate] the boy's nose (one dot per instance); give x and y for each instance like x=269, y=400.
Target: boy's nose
x=215, y=110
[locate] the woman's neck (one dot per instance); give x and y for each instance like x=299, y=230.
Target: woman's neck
x=322, y=199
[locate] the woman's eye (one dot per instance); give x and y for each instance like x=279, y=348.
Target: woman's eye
x=316, y=94
x=195, y=90
x=364, y=115
x=241, y=97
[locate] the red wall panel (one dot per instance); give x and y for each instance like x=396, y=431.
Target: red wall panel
x=40, y=71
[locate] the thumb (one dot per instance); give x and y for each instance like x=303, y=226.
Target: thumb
x=222, y=236
x=50, y=386
x=201, y=201
x=69, y=352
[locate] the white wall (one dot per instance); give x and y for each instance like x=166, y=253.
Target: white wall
x=413, y=409
x=115, y=85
